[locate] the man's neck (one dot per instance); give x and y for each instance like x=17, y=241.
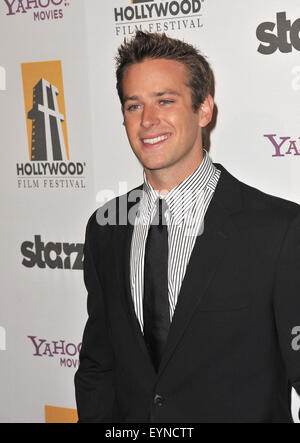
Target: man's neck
x=166, y=179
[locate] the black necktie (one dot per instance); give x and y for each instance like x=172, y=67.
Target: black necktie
x=156, y=301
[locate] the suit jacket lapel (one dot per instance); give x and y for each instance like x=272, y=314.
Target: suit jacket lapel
x=128, y=301
x=206, y=256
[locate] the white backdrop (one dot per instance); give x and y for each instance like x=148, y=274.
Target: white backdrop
x=256, y=137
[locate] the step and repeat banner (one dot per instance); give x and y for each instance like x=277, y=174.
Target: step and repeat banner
x=64, y=152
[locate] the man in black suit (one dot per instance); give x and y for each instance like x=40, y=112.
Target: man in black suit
x=193, y=278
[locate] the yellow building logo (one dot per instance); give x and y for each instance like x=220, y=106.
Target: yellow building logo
x=45, y=111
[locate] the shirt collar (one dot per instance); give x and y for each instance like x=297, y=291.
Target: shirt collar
x=184, y=195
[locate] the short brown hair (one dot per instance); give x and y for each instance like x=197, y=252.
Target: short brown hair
x=154, y=45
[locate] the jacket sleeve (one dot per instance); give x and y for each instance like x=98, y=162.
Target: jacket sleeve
x=287, y=302
x=94, y=385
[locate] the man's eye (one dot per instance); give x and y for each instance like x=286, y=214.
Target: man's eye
x=132, y=108
x=166, y=102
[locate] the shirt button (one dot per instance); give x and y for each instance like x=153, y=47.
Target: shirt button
x=158, y=400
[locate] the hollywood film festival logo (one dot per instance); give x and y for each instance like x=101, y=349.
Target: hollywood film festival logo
x=49, y=165
x=157, y=16
x=39, y=10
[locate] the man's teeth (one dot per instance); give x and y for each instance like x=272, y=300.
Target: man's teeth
x=152, y=141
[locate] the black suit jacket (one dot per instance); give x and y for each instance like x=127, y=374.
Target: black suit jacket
x=229, y=355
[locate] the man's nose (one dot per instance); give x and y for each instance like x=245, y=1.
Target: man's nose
x=150, y=117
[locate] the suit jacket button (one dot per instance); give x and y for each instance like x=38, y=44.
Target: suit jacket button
x=158, y=400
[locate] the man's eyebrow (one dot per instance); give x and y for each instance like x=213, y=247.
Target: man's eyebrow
x=155, y=94
x=168, y=92
x=133, y=97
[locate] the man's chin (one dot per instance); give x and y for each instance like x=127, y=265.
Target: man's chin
x=154, y=166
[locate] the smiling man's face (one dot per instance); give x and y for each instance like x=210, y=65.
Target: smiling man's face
x=163, y=130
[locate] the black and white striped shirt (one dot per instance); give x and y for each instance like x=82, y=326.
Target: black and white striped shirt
x=187, y=205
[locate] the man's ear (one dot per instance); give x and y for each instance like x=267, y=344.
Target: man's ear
x=206, y=110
